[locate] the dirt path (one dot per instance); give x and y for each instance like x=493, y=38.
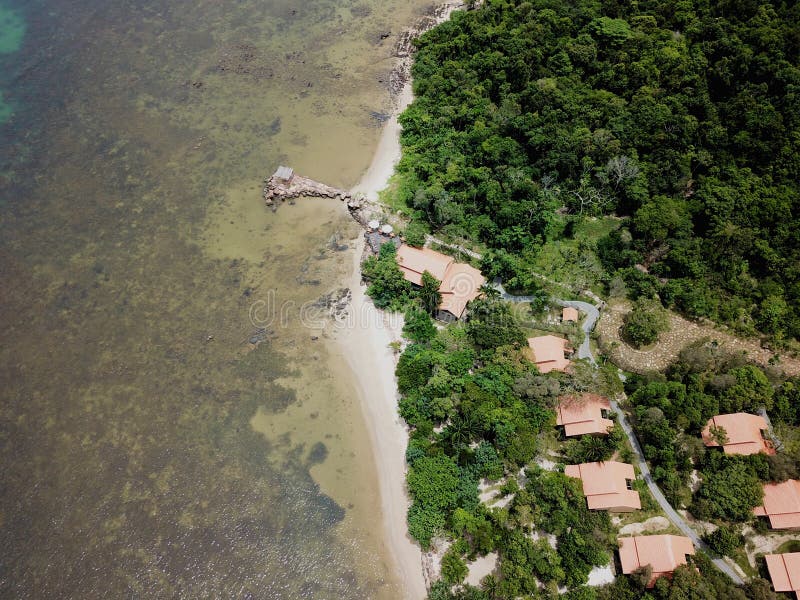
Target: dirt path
x=682, y=333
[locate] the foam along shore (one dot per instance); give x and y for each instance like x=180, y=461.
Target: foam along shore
x=363, y=341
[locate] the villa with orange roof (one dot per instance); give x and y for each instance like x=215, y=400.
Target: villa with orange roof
x=607, y=485
x=586, y=414
x=460, y=282
x=743, y=434
x=664, y=554
x=549, y=353
x=781, y=504
x=784, y=571
x=569, y=315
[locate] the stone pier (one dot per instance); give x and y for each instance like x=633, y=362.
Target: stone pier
x=285, y=184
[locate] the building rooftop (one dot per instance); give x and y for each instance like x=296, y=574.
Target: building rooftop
x=784, y=571
x=664, y=553
x=460, y=282
x=605, y=485
x=569, y=314
x=414, y=262
x=583, y=414
x=743, y=432
x=781, y=504
x=285, y=173
x=549, y=352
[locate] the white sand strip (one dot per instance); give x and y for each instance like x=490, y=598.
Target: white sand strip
x=364, y=343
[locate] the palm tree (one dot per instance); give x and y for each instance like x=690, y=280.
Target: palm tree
x=461, y=431
x=593, y=448
x=490, y=292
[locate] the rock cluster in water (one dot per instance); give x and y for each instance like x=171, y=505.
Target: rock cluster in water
x=281, y=189
x=277, y=190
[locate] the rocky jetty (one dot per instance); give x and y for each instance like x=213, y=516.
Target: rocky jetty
x=286, y=185
x=277, y=189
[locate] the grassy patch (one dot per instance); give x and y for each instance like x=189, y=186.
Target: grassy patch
x=740, y=558
x=790, y=546
x=572, y=260
x=391, y=198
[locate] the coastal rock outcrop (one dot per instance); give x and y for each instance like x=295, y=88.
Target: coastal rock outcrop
x=278, y=189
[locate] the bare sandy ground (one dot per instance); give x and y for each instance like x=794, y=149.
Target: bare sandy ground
x=480, y=568
x=363, y=341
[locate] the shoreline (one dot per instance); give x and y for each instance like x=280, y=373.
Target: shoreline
x=364, y=345
x=363, y=342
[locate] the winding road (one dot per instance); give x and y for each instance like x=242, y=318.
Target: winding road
x=671, y=513
x=585, y=351
x=592, y=313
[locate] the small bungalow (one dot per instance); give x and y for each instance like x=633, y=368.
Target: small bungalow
x=743, y=434
x=784, y=571
x=607, y=485
x=585, y=414
x=284, y=174
x=569, y=315
x=781, y=504
x=460, y=283
x=664, y=554
x=549, y=353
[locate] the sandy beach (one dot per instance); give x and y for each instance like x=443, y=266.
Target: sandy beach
x=363, y=342
x=364, y=345
x=388, y=152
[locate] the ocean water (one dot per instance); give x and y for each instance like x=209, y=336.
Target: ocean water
x=169, y=428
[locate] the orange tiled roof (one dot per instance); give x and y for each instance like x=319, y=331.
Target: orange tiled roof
x=743, y=431
x=664, y=553
x=414, y=262
x=784, y=570
x=605, y=485
x=569, y=314
x=781, y=504
x=460, y=282
x=548, y=352
x=583, y=415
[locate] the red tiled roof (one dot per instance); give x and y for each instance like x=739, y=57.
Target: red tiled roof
x=664, y=553
x=460, y=282
x=784, y=570
x=414, y=262
x=605, y=485
x=781, y=504
x=569, y=314
x=548, y=353
x=582, y=415
x=743, y=432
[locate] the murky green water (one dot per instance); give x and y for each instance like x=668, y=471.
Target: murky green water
x=148, y=449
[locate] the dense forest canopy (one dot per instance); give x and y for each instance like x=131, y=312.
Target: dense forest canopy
x=683, y=117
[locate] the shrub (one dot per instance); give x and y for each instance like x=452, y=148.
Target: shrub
x=453, y=567
x=724, y=540
x=388, y=287
x=645, y=323
x=418, y=327
x=415, y=234
x=729, y=493
x=424, y=522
